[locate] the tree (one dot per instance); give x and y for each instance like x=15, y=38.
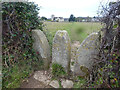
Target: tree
x=89, y=19
x=78, y=19
x=72, y=18
x=43, y=18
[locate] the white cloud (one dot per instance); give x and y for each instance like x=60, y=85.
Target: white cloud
x=66, y=7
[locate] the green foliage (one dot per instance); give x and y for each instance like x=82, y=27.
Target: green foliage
x=72, y=63
x=43, y=18
x=57, y=70
x=113, y=75
x=18, y=19
x=48, y=19
x=108, y=72
x=81, y=82
x=115, y=70
x=60, y=86
x=79, y=30
x=72, y=18
x=27, y=14
x=14, y=75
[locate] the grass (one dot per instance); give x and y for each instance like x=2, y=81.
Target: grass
x=14, y=76
x=57, y=70
x=80, y=84
x=76, y=30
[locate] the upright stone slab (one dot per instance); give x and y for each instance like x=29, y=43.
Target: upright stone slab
x=41, y=47
x=61, y=50
x=86, y=54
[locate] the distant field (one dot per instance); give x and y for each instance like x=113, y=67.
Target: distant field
x=76, y=30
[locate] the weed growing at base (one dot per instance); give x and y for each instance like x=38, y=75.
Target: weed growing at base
x=57, y=70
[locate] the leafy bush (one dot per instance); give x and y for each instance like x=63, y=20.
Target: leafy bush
x=19, y=59
x=107, y=73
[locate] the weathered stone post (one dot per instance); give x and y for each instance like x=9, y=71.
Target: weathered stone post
x=41, y=46
x=61, y=49
x=86, y=55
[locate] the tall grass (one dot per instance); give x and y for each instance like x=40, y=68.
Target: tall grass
x=76, y=30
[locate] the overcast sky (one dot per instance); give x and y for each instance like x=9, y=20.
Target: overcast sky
x=63, y=8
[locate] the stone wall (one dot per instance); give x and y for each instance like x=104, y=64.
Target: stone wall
x=84, y=54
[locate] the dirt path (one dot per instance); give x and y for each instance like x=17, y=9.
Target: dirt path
x=31, y=82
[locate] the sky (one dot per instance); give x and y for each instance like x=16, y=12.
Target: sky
x=64, y=8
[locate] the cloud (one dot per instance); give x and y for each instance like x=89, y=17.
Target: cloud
x=66, y=7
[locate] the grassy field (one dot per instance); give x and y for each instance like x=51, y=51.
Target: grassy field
x=76, y=30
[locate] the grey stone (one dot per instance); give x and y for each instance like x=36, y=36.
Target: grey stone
x=67, y=83
x=86, y=54
x=41, y=46
x=54, y=84
x=42, y=76
x=61, y=50
x=74, y=47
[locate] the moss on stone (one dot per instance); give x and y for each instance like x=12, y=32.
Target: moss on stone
x=61, y=34
x=85, y=70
